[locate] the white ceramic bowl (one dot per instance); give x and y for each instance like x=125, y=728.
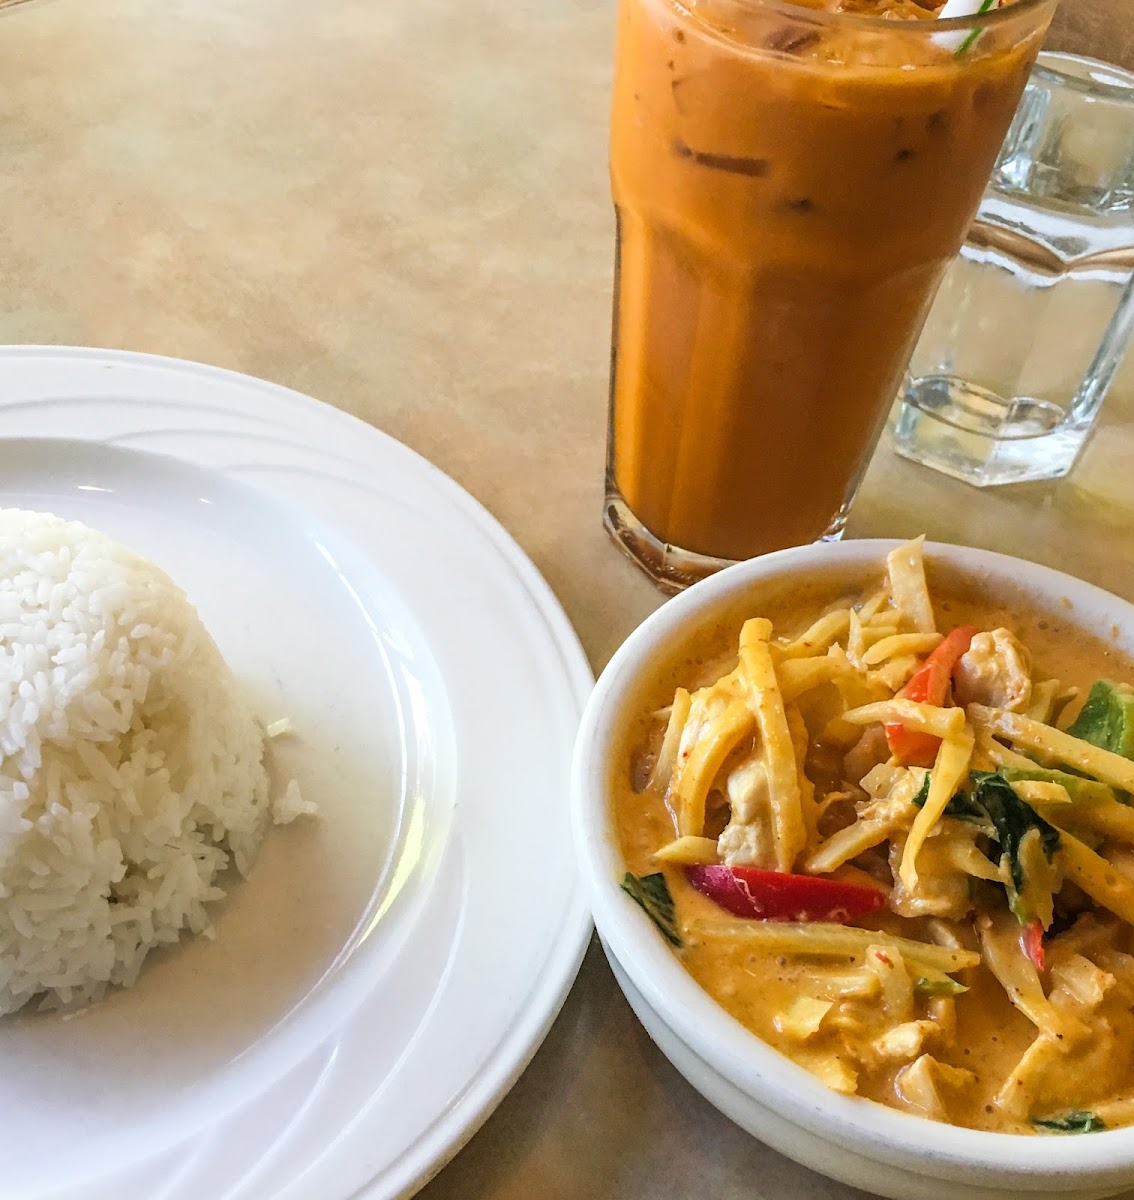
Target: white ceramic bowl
x=854, y=1140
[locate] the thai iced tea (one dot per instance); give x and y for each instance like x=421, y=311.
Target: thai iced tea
x=790, y=183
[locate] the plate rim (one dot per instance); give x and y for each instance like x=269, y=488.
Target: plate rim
x=437, y=1144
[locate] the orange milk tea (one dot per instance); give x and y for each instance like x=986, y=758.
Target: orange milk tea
x=790, y=184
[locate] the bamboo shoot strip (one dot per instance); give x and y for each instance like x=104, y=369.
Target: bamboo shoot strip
x=1053, y=743
x=776, y=746
x=823, y=938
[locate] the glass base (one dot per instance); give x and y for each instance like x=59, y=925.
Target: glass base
x=977, y=436
x=670, y=567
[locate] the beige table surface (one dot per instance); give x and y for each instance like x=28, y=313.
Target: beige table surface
x=401, y=208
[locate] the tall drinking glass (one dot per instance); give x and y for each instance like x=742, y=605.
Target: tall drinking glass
x=790, y=183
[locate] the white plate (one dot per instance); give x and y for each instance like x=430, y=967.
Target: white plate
x=387, y=971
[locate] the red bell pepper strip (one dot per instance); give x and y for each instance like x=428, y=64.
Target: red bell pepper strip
x=777, y=896
x=929, y=684
x=1031, y=939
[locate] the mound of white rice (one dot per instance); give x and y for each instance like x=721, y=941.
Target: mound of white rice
x=131, y=767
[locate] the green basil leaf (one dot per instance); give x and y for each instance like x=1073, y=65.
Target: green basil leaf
x=652, y=893
x=1072, y=1122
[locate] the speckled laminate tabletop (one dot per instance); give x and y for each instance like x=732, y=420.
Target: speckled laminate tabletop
x=402, y=209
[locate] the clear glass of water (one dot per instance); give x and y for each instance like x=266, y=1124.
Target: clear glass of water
x=1034, y=318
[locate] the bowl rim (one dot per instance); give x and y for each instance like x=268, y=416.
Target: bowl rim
x=749, y=1063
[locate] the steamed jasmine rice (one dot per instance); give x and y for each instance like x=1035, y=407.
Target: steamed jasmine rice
x=131, y=766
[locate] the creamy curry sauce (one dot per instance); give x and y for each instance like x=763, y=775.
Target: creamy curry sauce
x=986, y=1035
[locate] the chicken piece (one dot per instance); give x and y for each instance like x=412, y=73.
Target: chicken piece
x=996, y=671
x=905, y=1041
x=1053, y=1077
x=1083, y=983
x=896, y=803
x=1022, y=1089
x=748, y=840
x=743, y=846
x=834, y=1070
x=801, y=1020
x=920, y=1084
x=942, y=886
x=747, y=790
